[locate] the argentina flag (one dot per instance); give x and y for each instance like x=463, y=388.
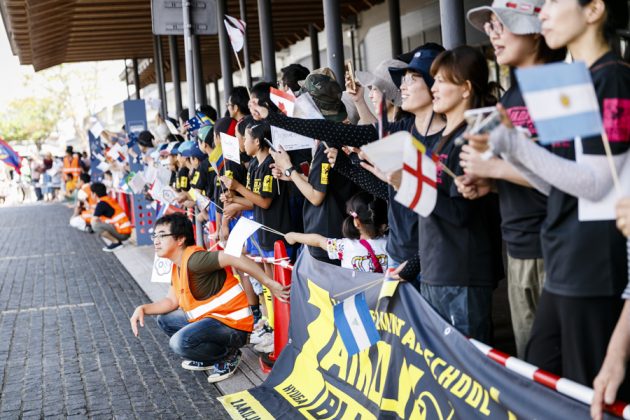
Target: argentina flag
x=355, y=325
x=561, y=100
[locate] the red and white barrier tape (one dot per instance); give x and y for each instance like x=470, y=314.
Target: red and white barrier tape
x=282, y=262
x=564, y=386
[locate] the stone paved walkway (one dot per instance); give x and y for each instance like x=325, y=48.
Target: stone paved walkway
x=66, y=349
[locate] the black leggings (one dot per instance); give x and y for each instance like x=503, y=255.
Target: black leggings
x=570, y=336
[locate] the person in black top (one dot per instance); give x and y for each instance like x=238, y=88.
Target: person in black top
x=517, y=43
x=268, y=196
x=403, y=222
x=585, y=261
x=460, y=244
x=324, y=190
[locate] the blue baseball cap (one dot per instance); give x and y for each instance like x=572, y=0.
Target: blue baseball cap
x=194, y=151
x=185, y=146
x=174, y=147
x=420, y=63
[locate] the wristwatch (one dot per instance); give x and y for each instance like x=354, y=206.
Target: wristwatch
x=287, y=172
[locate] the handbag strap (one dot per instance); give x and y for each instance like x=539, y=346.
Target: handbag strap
x=377, y=264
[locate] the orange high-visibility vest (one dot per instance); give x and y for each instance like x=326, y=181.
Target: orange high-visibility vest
x=71, y=167
x=229, y=306
x=119, y=219
x=91, y=204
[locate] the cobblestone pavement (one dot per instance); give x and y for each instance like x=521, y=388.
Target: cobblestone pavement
x=66, y=348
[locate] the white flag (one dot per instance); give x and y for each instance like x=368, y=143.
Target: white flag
x=236, y=32
x=230, y=147
x=418, y=188
x=387, y=153
x=243, y=229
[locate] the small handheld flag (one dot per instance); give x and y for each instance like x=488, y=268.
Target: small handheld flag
x=418, y=187
x=205, y=120
x=9, y=156
x=216, y=159
x=561, y=100
x=236, y=32
x=355, y=324
x=193, y=124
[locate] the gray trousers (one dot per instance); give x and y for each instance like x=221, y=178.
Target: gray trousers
x=99, y=227
x=525, y=284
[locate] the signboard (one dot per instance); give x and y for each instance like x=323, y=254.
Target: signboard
x=167, y=17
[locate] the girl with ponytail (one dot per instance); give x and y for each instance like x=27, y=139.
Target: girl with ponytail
x=364, y=230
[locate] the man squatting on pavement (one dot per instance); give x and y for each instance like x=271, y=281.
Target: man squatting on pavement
x=205, y=312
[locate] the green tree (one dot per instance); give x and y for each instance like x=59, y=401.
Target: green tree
x=30, y=119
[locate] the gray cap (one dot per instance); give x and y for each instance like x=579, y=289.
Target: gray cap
x=519, y=16
x=381, y=78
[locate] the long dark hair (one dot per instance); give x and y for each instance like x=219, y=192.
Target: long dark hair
x=467, y=63
x=371, y=212
x=617, y=16
x=260, y=130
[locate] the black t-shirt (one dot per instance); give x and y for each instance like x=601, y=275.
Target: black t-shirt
x=173, y=180
x=182, y=181
x=460, y=241
x=588, y=259
x=103, y=209
x=277, y=216
x=199, y=177
x=523, y=209
x=402, y=241
x=327, y=218
x=231, y=170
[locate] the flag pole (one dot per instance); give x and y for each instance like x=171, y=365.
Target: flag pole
x=243, y=76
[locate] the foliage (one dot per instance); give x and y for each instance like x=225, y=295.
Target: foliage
x=30, y=119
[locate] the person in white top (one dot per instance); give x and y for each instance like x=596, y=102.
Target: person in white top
x=364, y=230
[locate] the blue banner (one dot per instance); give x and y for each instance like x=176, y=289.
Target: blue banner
x=421, y=368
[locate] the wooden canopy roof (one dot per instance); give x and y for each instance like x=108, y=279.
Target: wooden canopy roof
x=45, y=33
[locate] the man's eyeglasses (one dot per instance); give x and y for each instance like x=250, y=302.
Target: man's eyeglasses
x=155, y=236
x=493, y=27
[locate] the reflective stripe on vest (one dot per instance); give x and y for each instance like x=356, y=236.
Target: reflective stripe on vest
x=119, y=219
x=215, y=303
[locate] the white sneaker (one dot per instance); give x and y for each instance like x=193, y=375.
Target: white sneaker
x=258, y=335
x=266, y=344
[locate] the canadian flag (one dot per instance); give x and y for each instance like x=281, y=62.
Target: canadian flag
x=418, y=187
x=236, y=31
x=283, y=100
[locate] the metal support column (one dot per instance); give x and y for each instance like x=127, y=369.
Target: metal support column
x=159, y=73
x=177, y=87
x=200, y=86
x=394, y=26
x=247, y=65
x=127, y=79
x=217, y=96
x=266, y=41
x=452, y=21
x=225, y=49
x=312, y=32
x=334, y=38
x=190, y=75
x=136, y=77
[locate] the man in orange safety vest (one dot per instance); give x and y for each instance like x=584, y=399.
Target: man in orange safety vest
x=205, y=312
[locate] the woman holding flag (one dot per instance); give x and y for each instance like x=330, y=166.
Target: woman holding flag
x=517, y=42
x=460, y=245
x=585, y=262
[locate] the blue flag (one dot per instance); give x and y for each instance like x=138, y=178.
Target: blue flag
x=561, y=100
x=355, y=324
x=205, y=120
x=193, y=124
x=9, y=156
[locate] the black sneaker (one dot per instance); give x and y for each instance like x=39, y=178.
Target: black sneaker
x=89, y=229
x=195, y=365
x=223, y=370
x=113, y=246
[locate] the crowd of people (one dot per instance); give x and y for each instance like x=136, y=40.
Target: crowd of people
x=510, y=210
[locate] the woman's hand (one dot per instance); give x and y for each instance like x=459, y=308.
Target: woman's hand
x=479, y=142
x=258, y=111
x=474, y=164
x=290, y=238
x=355, y=94
x=282, y=159
x=331, y=154
x=280, y=292
x=230, y=184
x=623, y=216
x=278, y=173
x=395, y=179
